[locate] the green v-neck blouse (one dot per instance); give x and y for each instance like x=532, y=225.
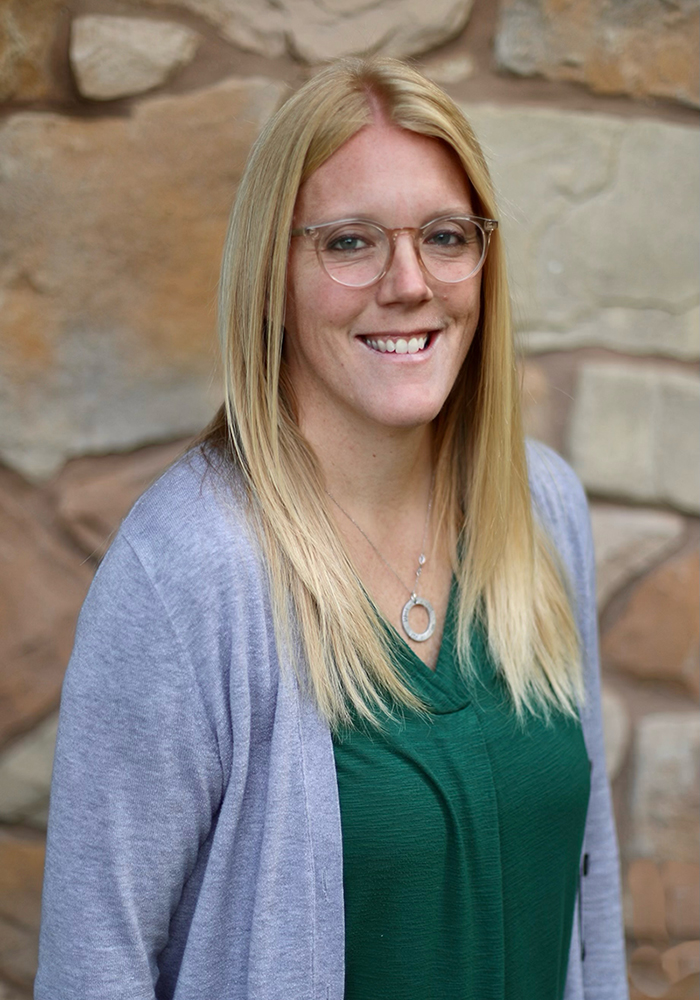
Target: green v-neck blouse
x=462, y=834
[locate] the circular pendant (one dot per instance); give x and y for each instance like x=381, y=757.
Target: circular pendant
x=411, y=603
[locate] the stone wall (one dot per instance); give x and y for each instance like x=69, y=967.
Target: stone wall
x=123, y=132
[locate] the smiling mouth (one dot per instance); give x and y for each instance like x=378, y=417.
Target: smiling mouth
x=399, y=345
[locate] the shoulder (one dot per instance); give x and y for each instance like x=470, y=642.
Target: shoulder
x=187, y=551
x=191, y=502
x=557, y=493
x=192, y=522
x=560, y=504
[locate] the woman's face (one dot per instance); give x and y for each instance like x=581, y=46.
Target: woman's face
x=399, y=179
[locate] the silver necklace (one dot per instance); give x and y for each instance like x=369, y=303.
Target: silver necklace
x=414, y=599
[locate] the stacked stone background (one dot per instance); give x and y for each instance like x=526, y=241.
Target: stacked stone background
x=124, y=127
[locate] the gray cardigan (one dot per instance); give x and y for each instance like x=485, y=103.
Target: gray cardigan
x=194, y=843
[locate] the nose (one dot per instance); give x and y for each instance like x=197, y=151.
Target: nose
x=405, y=279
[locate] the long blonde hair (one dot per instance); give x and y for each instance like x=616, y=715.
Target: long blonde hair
x=507, y=572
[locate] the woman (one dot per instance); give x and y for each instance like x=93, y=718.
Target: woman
x=329, y=723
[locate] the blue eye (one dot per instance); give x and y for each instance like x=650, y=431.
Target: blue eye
x=350, y=239
x=447, y=238
x=346, y=242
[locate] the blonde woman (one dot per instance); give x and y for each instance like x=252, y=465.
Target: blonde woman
x=331, y=727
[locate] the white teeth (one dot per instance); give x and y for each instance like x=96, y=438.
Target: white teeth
x=400, y=346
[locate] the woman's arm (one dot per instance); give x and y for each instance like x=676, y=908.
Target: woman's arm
x=137, y=779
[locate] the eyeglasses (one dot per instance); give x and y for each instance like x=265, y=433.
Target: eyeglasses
x=356, y=253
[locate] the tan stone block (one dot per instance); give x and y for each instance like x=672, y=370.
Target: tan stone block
x=657, y=636
x=616, y=731
x=646, y=972
x=21, y=876
x=634, y=433
x=537, y=403
x=678, y=441
x=685, y=989
x=109, y=261
x=25, y=776
x=682, y=890
x=449, y=69
x=19, y=953
x=665, y=794
x=584, y=209
x=42, y=586
x=27, y=31
x=637, y=48
x=647, y=901
x=628, y=541
x=8, y=992
x=315, y=31
x=93, y=495
x=682, y=961
x=120, y=56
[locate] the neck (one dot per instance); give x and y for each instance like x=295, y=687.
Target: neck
x=374, y=469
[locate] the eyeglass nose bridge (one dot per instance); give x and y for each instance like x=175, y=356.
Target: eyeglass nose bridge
x=393, y=235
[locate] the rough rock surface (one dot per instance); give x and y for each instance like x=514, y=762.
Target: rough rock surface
x=449, y=69
x=93, y=495
x=657, y=635
x=616, y=731
x=25, y=776
x=119, y=56
x=639, y=47
x=682, y=892
x=21, y=873
x=593, y=259
x=634, y=433
x=109, y=259
x=666, y=788
x=27, y=31
x=537, y=404
x=42, y=584
x=628, y=542
x=646, y=910
x=8, y=992
x=314, y=30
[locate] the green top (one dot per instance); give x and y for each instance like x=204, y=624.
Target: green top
x=462, y=835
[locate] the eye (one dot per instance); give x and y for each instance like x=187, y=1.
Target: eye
x=447, y=236
x=452, y=238
x=350, y=239
x=346, y=242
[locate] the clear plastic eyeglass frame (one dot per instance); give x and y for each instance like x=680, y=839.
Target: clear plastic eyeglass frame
x=487, y=227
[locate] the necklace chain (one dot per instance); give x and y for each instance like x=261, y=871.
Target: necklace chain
x=413, y=599
x=421, y=557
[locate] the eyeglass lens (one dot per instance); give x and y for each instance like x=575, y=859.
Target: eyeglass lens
x=357, y=253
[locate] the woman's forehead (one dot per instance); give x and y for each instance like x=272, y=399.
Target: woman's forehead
x=384, y=167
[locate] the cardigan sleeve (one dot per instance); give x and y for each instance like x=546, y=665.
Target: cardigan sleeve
x=137, y=779
x=597, y=960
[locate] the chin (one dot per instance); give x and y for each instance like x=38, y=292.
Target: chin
x=409, y=418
